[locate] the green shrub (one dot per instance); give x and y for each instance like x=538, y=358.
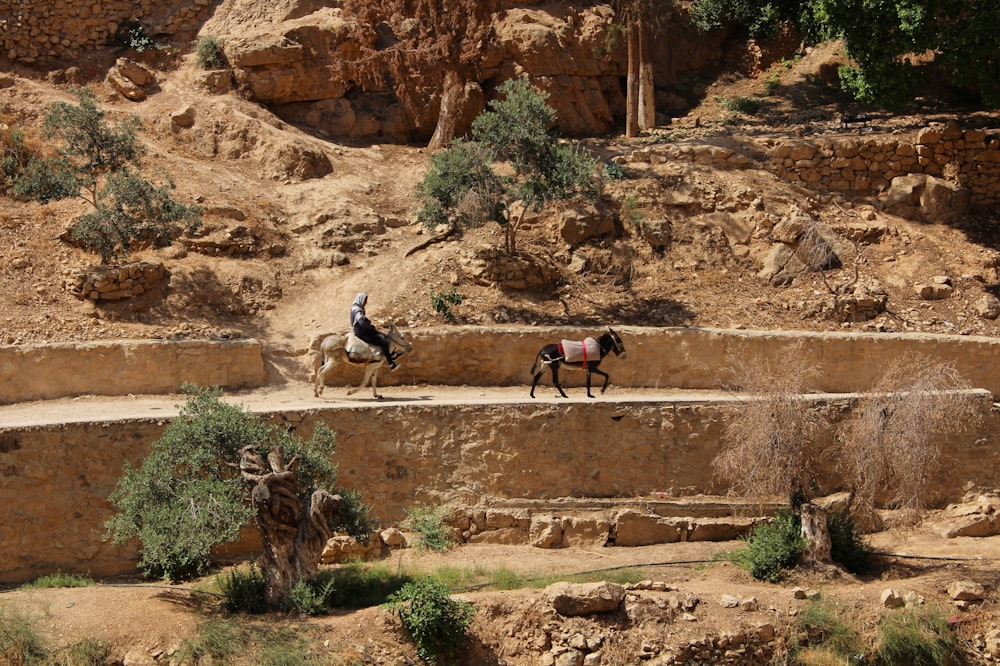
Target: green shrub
x=245, y=590
x=772, y=547
x=915, y=636
x=132, y=35
x=615, y=172
x=631, y=214
x=436, y=623
x=428, y=523
x=443, y=302
x=309, y=597
x=846, y=545
x=740, y=104
x=209, y=53
x=771, y=83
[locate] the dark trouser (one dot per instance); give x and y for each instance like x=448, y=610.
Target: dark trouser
x=368, y=333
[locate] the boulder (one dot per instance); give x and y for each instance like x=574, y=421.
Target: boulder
x=576, y=599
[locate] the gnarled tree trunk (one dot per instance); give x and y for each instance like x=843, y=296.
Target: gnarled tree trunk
x=816, y=533
x=646, y=112
x=293, y=535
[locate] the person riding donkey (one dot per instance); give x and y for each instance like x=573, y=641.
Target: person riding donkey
x=365, y=330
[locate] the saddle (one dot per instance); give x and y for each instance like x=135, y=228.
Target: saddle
x=359, y=351
x=580, y=352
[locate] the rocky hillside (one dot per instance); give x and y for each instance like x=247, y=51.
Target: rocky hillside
x=297, y=222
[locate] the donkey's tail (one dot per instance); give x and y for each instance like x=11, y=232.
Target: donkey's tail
x=535, y=362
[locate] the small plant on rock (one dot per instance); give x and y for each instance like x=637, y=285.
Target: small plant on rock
x=443, y=302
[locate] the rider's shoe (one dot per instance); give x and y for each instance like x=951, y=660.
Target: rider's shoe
x=393, y=366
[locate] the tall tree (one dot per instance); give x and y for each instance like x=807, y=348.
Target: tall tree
x=641, y=21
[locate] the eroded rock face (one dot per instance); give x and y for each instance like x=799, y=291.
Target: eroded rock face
x=308, y=64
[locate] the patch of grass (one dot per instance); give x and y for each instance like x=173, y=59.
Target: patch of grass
x=358, y=586
x=217, y=639
x=60, y=579
x=428, y=523
x=916, y=636
x=771, y=83
x=631, y=213
x=88, y=652
x=283, y=648
x=821, y=621
x=20, y=642
x=745, y=105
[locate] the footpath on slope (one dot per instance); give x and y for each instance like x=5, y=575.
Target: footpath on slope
x=299, y=396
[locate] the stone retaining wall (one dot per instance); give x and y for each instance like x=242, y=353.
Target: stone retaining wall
x=862, y=165
x=56, y=478
x=54, y=32
x=687, y=358
x=123, y=367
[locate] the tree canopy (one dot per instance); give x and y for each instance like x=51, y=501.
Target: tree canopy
x=899, y=47
x=100, y=163
x=466, y=185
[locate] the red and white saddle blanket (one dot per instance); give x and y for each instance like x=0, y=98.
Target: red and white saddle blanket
x=580, y=352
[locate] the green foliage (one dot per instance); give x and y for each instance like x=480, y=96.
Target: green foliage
x=847, y=546
x=822, y=623
x=879, y=37
x=915, y=636
x=20, y=641
x=746, y=105
x=209, y=53
x=132, y=35
x=99, y=163
x=60, y=579
x=244, y=589
x=188, y=495
x=357, y=586
x=462, y=186
x=436, y=623
x=443, y=302
x=771, y=83
x=631, y=213
x=428, y=523
x=772, y=547
x=309, y=597
x=613, y=171
x=14, y=156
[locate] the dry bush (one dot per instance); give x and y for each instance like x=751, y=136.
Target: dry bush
x=891, y=444
x=768, y=444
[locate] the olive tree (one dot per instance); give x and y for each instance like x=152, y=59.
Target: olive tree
x=100, y=163
x=215, y=468
x=513, y=164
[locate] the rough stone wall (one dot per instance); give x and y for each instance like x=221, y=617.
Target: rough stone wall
x=56, y=479
x=866, y=165
x=860, y=166
x=44, y=33
x=127, y=367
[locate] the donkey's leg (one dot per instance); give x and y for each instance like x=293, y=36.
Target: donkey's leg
x=607, y=378
x=375, y=381
x=555, y=380
x=534, y=381
x=369, y=369
x=320, y=382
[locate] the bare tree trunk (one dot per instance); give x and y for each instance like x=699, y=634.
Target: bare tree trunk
x=451, y=95
x=816, y=533
x=632, y=85
x=646, y=111
x=293, y=536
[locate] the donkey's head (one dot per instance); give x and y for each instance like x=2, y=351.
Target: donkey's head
x=397, y=338
x=616, y=344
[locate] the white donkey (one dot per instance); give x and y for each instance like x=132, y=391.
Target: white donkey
x=332, y=349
